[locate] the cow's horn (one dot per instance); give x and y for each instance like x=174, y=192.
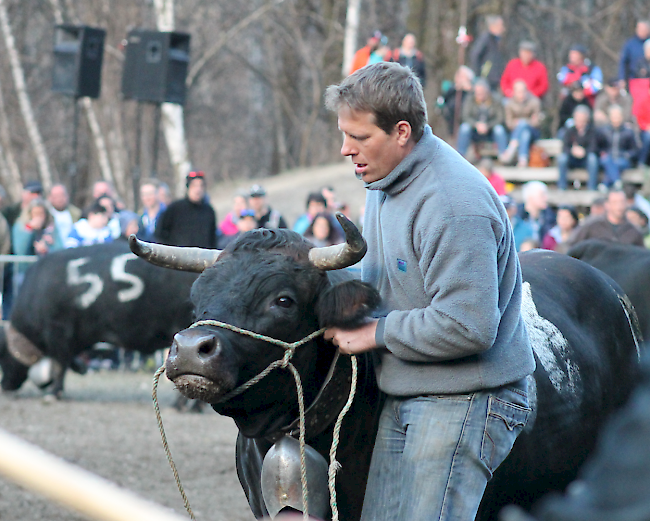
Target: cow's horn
x=174, y=257
x=343, y=255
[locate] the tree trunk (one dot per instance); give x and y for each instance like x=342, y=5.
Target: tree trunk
x=23, y=99
x=351, y=33
x=10, y=171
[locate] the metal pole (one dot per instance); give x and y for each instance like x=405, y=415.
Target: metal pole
x=72, y=165
x=156, y=139
x=137, y=167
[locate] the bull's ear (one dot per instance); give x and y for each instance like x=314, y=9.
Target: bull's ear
x=346, y=305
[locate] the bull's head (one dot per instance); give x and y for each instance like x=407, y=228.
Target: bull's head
x=272, y=282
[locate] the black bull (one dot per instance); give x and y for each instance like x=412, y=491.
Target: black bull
x=74, y=298
x=264, y=282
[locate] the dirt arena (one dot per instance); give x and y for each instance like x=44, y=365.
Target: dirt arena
x=106, y=424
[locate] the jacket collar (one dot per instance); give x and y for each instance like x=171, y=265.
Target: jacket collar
x=410, y=167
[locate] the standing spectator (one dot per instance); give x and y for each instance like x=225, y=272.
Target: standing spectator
x=329, y=194
x=568, y=106
x=362, y=56
x=611, y=226
x=557, y=238
x=93, y=229
x=266, y=216
x=245, y=222
x=523, y=114
x=381, y=52
x=228, y=226
x=486, y=167
x=616, y=146
x=152, y=209
x=642, y=113
x=578, y=149
x=322, y=232
x=642, y=64
x=409, y=56
x=164, y=194
x=101, y=188
x=461, y=89
x=632, y=52
x=31, y=190
x=316, y=204
x=65, y=214
x=535, y=211
x=190, y=221
x=612, y=94
x=482, y=119
x=486, y=56
x=113, y=215
x=526, y=67
x=451, y=339
x=579, y=68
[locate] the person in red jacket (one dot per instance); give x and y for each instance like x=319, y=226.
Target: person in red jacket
x=526, y=67
x=362, y=56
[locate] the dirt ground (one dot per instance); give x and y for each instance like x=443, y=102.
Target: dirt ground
x=106, y=424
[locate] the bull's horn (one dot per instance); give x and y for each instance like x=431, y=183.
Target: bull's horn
x=174, y=257
x=343, y=255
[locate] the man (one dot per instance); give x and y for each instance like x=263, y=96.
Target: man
x=482, y=119
x=580, y=69
x=190, y=221
x=523, y=115
x=632, y=52
x=612, y=94
x=616, y=146
x=526, y=68
x=64, y=213
x=101, y=188
x=31, y=190
x=455, y=96
x=441, y=252
x=612, y=226
x=486, y=56
x=265, y=215
x=535, y=211
x=409, y=56
x=578, y=149
x=152, y=209
x=362, y=56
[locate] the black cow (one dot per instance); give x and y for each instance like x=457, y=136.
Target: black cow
x=74, y=298
x=628, y=265
x=585, y=345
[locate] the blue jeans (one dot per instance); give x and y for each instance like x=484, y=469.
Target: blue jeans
x=434, y=455
x=467, y=134
x=613, y=168
x=525, y=134
x=566, y=161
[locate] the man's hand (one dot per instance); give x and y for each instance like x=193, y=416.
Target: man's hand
x=482, y=128
x=353, y=341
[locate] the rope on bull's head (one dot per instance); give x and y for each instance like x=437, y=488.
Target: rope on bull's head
x=284, y=363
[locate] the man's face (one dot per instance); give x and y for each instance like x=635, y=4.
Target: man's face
x=257, y=203
x=149, y=196
x=498, y=27
x=538, y=199
x=58, y=197
x=374, y=153
x=196, y=190
x=101, y=188
x=408, y=43
x=615, y=207
x=643, y=30
x=612, y=91
x=576, y=57
x=480, y=93
x=97, y=220
x=526, y=56
x=314, y=208
x=581, y=120
x=616, y=118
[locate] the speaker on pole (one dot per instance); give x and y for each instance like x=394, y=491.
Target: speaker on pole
x=78, y=55
x=155, y=66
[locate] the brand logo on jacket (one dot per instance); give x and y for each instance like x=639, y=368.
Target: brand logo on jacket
x=401, y=265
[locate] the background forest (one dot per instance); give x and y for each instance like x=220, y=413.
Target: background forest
x=256, y=77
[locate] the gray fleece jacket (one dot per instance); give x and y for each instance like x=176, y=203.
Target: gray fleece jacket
x=441, y=252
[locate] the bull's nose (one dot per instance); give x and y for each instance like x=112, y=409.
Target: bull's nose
x=196, y=343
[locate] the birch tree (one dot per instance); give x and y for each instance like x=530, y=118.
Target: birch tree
x=351, y=35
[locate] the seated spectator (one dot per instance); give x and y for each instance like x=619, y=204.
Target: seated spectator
x=612, y=94
x=611, y=226
x=535, y=211
x=527, y=68
x=486, y=167
x=409, y=56
x=228, y=226
x=91, y=230
x=568, y=106
x=316, y=204
x=557, y=237
x=578, y=149
x=579, y=68
x=616, y=146
x=152, y=209
x=642, y=65
x=322, y=231
x=462, y=87
x=523, y=114
x=246, y=222
x=482, y=119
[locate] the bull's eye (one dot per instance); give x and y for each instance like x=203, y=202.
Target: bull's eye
x=284, y=302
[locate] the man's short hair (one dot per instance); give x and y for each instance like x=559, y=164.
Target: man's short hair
x=582, y=109
x=150, y=181
x=389, y=91
x=491, y=19
x=316, y=197
x=96, y=207
x=527, y=45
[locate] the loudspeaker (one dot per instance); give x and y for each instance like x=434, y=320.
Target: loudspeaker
x=155, y=66
x=78, y=55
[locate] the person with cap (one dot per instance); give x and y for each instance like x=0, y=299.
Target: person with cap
x=31, y=190
x=632, y=52
x=612, y=94
x=265, y=215
x=190, y=221
x=525, y=67
x=486, y=56
x=580, y=69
